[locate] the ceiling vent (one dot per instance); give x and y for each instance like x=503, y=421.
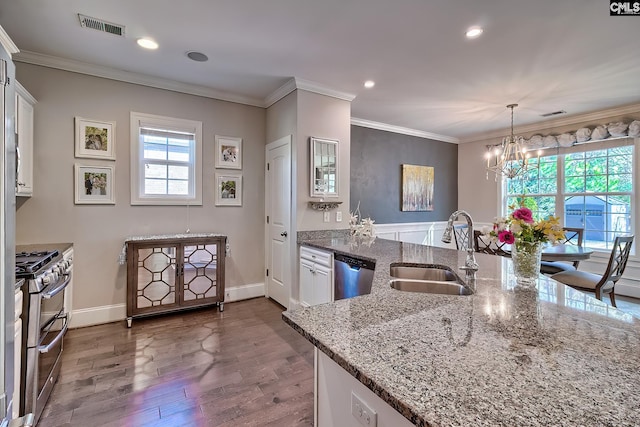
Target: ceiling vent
x=555, y=113
x=100, y=25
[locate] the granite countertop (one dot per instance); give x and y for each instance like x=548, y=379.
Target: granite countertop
x=151, y=238
x=504, y=356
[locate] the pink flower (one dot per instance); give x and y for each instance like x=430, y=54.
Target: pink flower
x=523, y=214
x=506, y=237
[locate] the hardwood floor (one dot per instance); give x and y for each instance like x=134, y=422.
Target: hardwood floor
x=243, y=366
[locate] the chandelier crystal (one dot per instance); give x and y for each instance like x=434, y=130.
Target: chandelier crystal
x=509, y=159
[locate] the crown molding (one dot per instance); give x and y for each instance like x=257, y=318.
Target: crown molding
x=322, y=90
x=130, y=77
x=7, y=43
x=560, y=122
x=403, y=130
x=306, y=85
x=280, y=93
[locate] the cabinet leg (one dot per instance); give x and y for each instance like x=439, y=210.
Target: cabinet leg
x=221, y=305
x=129, y=321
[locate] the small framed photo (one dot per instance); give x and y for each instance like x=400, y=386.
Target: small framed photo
x=228, y=189
x=95, y=139
x=94, y=185
x=228, y=152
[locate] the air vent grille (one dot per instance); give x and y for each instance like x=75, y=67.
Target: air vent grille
x=101, y=25
x=555, y=113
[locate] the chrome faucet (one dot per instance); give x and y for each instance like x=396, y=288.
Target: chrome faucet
x=470, y=263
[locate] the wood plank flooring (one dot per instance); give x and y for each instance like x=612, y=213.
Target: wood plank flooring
x=243, y=366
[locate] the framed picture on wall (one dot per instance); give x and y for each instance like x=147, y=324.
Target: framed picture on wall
x=94, y=185
x=228, y=189
x=417, y=188
x=95, y=139
x=228, y=152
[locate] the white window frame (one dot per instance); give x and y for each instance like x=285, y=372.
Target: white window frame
x=139, y=120
x=635, y=200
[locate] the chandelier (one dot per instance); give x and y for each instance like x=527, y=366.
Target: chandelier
x=510, y=158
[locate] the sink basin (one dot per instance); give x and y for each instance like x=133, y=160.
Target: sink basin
x=430, y=286
x=431, y=279
x=423, y=273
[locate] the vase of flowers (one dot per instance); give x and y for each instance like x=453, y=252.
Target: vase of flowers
x=526, y=237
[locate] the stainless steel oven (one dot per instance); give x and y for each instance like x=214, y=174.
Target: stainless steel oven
x=45, y=324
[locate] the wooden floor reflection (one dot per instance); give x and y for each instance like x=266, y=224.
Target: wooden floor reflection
x=244, y=366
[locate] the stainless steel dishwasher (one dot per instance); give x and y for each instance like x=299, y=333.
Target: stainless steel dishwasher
x=352, y=276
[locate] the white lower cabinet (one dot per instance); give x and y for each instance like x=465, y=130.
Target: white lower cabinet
x=17, y=355
x=343, y=401
x=316, y=276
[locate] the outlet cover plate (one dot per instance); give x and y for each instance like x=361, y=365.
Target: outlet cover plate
x=363, y=412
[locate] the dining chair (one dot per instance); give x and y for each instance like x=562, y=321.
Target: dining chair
x=605, y=283
x=484, y=244
x=461, y=236
x=572, y=236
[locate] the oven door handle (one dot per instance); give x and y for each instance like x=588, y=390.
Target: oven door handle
x=46, y=348
x=55, y=291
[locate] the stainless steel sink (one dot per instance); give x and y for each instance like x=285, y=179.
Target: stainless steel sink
x=433, y=279
x=422, y=273
x=430, y=287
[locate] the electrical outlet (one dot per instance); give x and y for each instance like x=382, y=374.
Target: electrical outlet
x=363, y=412
x=228, y=249
x=327, y=216
x=338, y=216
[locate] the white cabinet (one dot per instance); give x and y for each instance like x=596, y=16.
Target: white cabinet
x=68, y=294
x=17, y=354
x=24, y=139
x=316, y=276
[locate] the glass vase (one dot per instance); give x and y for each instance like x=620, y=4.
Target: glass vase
x=526, y=262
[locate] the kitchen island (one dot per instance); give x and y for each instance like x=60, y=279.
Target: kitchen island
x=503, y=356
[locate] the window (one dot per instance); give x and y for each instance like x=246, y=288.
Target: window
x=588, y=186
x=166, y=160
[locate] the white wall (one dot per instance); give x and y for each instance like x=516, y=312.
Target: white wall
x=98, y=231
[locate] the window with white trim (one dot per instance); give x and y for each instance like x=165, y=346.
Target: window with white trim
x=166, y=160
x=588, y=186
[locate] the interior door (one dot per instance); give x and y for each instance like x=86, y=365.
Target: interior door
x=278, y=208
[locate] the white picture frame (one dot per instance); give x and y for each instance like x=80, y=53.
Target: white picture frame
x=94, y=185
x=228, y=152
x=228, y=189
x=95, y=139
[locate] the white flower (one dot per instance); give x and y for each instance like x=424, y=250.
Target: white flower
x=486, y=229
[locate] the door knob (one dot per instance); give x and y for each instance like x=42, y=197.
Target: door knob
x=284, y=234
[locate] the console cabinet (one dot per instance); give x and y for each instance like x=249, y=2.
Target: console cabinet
x=172, y=273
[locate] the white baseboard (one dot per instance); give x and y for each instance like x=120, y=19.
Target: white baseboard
x=98, y=315
x=118, y=312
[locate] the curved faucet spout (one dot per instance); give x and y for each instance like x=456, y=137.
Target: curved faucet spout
x=470, y=263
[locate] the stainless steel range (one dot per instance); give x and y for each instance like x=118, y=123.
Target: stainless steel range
x=47, y=275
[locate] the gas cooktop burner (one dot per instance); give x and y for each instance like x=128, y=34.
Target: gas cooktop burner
x=30, y=262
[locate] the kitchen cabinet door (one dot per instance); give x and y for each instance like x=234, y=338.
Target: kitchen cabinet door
x=24, y=139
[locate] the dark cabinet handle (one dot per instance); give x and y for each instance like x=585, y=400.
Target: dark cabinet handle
x=284, y=234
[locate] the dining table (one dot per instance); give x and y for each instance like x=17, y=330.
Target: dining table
x=566, y=252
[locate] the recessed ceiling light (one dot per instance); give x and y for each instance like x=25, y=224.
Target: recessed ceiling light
x=147, y=43
x=369, y=84
x=474, y=32
x=197, y=56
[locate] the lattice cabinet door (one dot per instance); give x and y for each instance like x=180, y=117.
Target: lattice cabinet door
x=154, y=279
x=201, y=274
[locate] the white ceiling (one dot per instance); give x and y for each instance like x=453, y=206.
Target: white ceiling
x=546, y=55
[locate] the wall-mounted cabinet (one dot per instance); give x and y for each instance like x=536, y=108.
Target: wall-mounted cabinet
x=24, y=141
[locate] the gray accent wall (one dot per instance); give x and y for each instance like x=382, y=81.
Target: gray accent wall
x=376, y=174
